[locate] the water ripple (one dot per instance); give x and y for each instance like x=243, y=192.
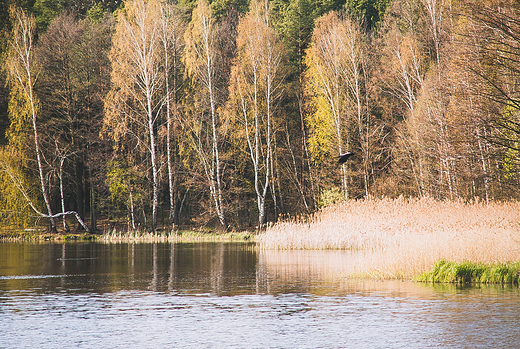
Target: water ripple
x=27, y=277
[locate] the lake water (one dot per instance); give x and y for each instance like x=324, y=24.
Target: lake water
x=232, y=295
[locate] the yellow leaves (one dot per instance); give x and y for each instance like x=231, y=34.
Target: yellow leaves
x=19, y=115
x=321, y=126
x=22, y=71
x=333, y=78
x=13, y=180
x=20, y=55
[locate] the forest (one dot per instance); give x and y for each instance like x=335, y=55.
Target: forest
x=231, y=114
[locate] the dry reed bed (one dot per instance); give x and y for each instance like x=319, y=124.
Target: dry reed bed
x=407, y=236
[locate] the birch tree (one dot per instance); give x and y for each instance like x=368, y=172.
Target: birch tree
x=204, y=126
x=325, y=61
x=336, y=82
x=171, y=30
x=355, y=76
x=256, y=88
x=403, y=67
x=23, y=72
x=134, y=103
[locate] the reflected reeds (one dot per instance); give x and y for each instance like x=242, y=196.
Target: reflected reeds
x=334, y=272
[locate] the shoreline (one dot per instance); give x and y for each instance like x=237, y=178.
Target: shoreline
x=442, y=272
x=415, y=239
x=127, y=237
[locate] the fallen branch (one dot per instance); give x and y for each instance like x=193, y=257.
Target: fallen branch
x=57, y=215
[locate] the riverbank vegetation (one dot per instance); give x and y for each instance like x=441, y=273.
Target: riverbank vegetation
x=406, y=237
x=129, y=237
x=151, y=114
x=176, y=236
x=474, y=273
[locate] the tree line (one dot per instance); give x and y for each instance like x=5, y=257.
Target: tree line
x=153, y=113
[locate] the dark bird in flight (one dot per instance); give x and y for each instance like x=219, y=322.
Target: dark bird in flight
x=344, y=157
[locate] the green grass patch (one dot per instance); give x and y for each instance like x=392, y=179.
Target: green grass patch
x=474, y=273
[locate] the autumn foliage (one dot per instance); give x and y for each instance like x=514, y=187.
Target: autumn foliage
x=150, y=113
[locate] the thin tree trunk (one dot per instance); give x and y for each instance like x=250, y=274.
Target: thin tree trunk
x=24, y=56
x=38, y=155
x=171, y=215
x=154, y=166
x=215, y=173
x=169, y=36
x=132, y=208
x=484, y=167
x=62, y=196
x=93, y=218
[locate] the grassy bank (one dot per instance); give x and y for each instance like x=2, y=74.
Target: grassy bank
x=128, y=237
x=40, y=235
x=474, y=273
x=176, y=236
x=403, y=238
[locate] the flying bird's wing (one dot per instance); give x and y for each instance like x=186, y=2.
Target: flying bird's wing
x=344, y=157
